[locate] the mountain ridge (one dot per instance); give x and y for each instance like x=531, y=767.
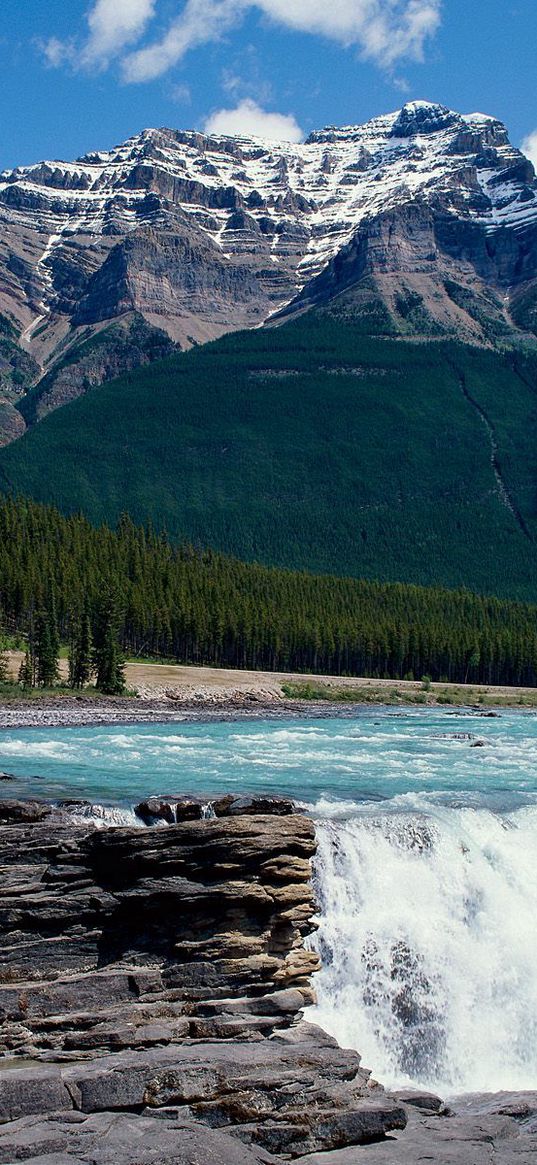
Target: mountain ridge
x=422, y=222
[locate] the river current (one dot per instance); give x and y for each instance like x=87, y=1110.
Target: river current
x=426, y=872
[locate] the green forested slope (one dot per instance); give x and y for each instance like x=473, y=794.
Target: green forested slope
x=201, y=607
x=312, y=446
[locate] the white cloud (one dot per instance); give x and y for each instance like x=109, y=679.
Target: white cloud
x=384, y=30
x=181, y=94
x=201, y=21
x=113, y=25
x=56, y=52
x=249, y=119
x=529, y=147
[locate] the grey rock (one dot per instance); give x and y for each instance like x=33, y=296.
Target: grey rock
x=175, y=809
x=361, y=1126
x=426, y=1101
x=521, y=1106
x=24, y=811
x=287, y=1002
x=32, y=1090
x=113, y=1139
x=305, y=1033
x=443, y=1140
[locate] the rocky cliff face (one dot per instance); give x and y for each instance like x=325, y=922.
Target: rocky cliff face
x=162, y=971
x=420, y=222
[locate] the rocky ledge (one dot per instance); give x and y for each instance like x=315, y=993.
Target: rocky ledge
x=162, y=973
x=152, y=991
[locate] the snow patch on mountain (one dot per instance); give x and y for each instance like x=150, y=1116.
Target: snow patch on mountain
x=326, y=186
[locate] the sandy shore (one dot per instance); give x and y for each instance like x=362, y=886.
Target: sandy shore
x=173, y=693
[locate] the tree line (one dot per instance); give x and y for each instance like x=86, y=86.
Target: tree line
x=94, y=650
x=130, y=592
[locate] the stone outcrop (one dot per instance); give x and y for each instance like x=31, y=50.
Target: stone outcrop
x=495, y=1129
x=162, y=971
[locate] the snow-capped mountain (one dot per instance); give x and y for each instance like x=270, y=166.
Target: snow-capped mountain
x=422, y=222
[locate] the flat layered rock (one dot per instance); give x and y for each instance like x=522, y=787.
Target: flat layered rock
x=489, y=1137
x=289, y=1098
x=163, y=972
x=121, y=1139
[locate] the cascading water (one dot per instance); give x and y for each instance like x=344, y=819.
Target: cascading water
x=428, y=937
x=103, y=816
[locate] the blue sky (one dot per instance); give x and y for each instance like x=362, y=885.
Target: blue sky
x=82, y=74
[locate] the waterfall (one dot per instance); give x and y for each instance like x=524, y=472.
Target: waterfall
x=428, y=937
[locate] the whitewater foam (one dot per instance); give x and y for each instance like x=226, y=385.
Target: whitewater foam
x=429, y=946
x=105, y=816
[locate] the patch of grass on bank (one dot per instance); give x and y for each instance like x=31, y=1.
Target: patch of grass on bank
x=365, y=694
x=14, y=691
x=432, y=696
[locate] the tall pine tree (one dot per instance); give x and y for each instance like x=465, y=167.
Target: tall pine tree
x=107, y=656
x=4, y=670
x=27, y=671
x=47, y=645
x=80, y=650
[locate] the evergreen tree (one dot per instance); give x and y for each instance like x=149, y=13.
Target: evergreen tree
x=3, y=656
x=47, y=646
x=27, y=671
x=80, y=650
x=107, y=656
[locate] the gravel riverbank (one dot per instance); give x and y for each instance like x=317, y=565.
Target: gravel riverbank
x=73, y=712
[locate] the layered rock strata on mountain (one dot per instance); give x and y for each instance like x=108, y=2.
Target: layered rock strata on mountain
x=161, y=971
x=421, y=222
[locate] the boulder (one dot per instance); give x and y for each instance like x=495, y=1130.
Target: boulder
x=169, y=809
x=425, y=1101
x=24, y=811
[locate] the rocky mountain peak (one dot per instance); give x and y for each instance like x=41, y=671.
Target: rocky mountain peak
x=423, y=117
x=198, y=234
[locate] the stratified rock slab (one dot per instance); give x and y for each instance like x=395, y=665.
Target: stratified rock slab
x=163, y=972
x=493, y=1130
x=121, y=1139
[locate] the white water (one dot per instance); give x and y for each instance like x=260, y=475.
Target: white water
x=105, y=816
x=429, y=942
